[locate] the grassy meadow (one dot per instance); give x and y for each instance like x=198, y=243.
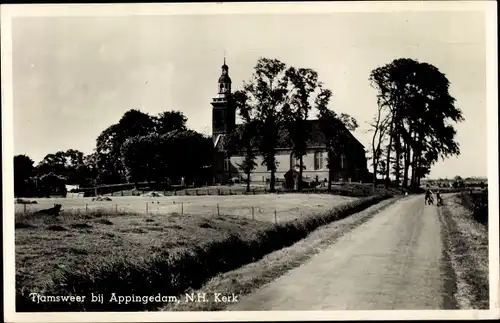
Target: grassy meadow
x=287, y=206
x=113, y=246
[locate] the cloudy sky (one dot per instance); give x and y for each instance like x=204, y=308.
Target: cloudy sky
x=73, y=77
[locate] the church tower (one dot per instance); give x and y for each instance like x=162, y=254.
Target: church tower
x=223, y=106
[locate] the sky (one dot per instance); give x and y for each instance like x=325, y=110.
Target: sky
x=74, y=77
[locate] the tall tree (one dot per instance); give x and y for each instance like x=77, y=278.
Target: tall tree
x=68, y=164
x=243, y=140
x=266, y=93
x=169, y=121
x=108, y=146
x=335, y=130
x=155, y=157
x=302, y=84
x=23, y=170
x=379, y=127
x=416, y=98
x=52, y=163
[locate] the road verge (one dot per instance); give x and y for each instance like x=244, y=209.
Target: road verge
x=250, y=277
x=467, y=249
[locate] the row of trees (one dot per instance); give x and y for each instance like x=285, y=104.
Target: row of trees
x=277, y=100
x=138, y=148
x=413, y=127
x=411, y=131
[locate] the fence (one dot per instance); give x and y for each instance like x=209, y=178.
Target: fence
x=272, y=211
x=360, y=190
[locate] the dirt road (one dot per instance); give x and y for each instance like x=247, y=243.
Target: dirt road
x=393, y=261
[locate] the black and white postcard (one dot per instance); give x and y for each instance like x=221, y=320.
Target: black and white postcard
x=250, y=161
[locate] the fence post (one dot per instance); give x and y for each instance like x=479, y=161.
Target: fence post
x=218, y=212
x=230, y=193
x=24, y=208
x=253, y=216
x=275, y=219
x=196, y=191
x=116, y=208
x=146, y=208
x=208, y=192
x=86, y=208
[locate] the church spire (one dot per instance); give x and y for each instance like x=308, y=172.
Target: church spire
x=224, y=80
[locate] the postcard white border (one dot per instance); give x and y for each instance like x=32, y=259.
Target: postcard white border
x=24, y=10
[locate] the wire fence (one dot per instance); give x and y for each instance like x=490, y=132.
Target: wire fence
x=273, y=212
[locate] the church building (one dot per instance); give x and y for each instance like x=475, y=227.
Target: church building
x=353, y=164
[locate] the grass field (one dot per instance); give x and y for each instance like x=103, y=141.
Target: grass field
x=86, y=240
x=287, y=206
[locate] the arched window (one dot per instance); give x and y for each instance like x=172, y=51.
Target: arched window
x=227, y=164
x=318, y=160
x=342, y=161
x=294, y=161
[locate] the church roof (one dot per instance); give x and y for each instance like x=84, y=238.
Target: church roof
x=316, y=138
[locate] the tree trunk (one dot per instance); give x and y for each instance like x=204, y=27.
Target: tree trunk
x=330, y=175
x=397, y=148
x=407, y=163
x=301, y=164
x=272, y=182
x=388, y=161
x=413, y=170
x=375, y=159
x=248, y=182
x=330, y=170
x=414, y=160
x=417, y=166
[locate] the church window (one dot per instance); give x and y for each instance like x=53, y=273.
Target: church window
x=227, y=164
x=294, y=161
x=342, y=161
x=318, y=160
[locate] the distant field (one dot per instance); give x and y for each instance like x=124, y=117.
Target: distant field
x=287, y=206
